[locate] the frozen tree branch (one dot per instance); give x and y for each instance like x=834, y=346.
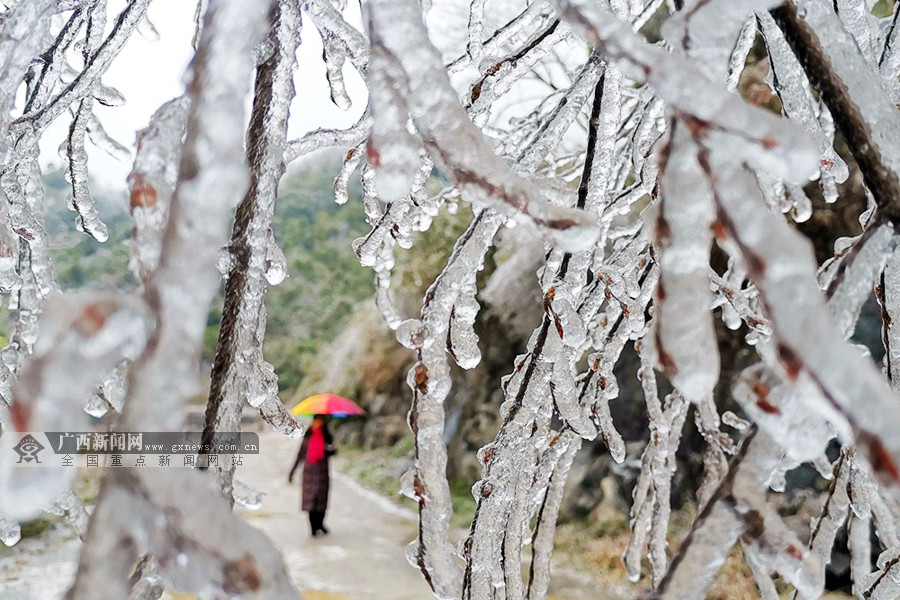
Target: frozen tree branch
x=239, y=371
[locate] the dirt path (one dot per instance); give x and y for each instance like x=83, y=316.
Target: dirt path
x=363, y=558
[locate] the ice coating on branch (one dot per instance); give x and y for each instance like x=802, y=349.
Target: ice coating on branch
x=853, y=285
x=392, y=150
x=240, y=372
x=797, y=103
x=328, y=138
x=861, y=83
x=651, y=505
x=499, y=79
x=780, y=263
x=352, y=160
x=708, y=31
x=23, y=30
x=152, y=182
x=742, y=48
x=150, y=507
x=889, y=299
x=82, y=339
x=80, y=199
x=95, y=65
x=205, y=560
x=98, y=136
x=768, y=143
x=481, y=175
x=687, y=345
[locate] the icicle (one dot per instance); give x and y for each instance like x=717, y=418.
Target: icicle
x=133, y=502
x=351, y=162
x=247, y=496
x=68, y=506
x=742, y=48
x=276, y=264
x=98, y=136
x=10, y=533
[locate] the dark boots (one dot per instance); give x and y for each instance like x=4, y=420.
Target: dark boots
x=316, y=522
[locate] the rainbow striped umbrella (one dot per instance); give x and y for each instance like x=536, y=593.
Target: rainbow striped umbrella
x=328, y=404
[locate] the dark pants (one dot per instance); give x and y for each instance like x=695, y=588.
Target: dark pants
x=317, y=521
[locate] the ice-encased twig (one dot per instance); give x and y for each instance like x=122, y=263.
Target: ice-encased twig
x=330, y=138
x=736, y=509
x=797, y=103
x=501, y=76
x=687, y=348
x=152, y=182
x=545, y=525
x=535, y=13
x=329, y=19
x=888, y=294
x=82, y=339
x=239, y=371
x=767, y=142
x=98, y=63
x=708, y=32
x=852, y=91
x=780, y=262
x=22, y=35
x=152, y=508
x=479, y=173
x=191, y=553
x=861, y=270
x=80, y=199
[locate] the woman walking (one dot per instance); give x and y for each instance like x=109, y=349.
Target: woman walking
x=317, y=446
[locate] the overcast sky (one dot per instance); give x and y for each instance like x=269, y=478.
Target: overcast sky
x=150, y=73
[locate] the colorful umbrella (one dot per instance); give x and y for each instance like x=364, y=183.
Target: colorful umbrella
x=327, y=404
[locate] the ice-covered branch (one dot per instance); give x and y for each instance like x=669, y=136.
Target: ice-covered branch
x=443, y=126
x=239, y=371
x=150, y=512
